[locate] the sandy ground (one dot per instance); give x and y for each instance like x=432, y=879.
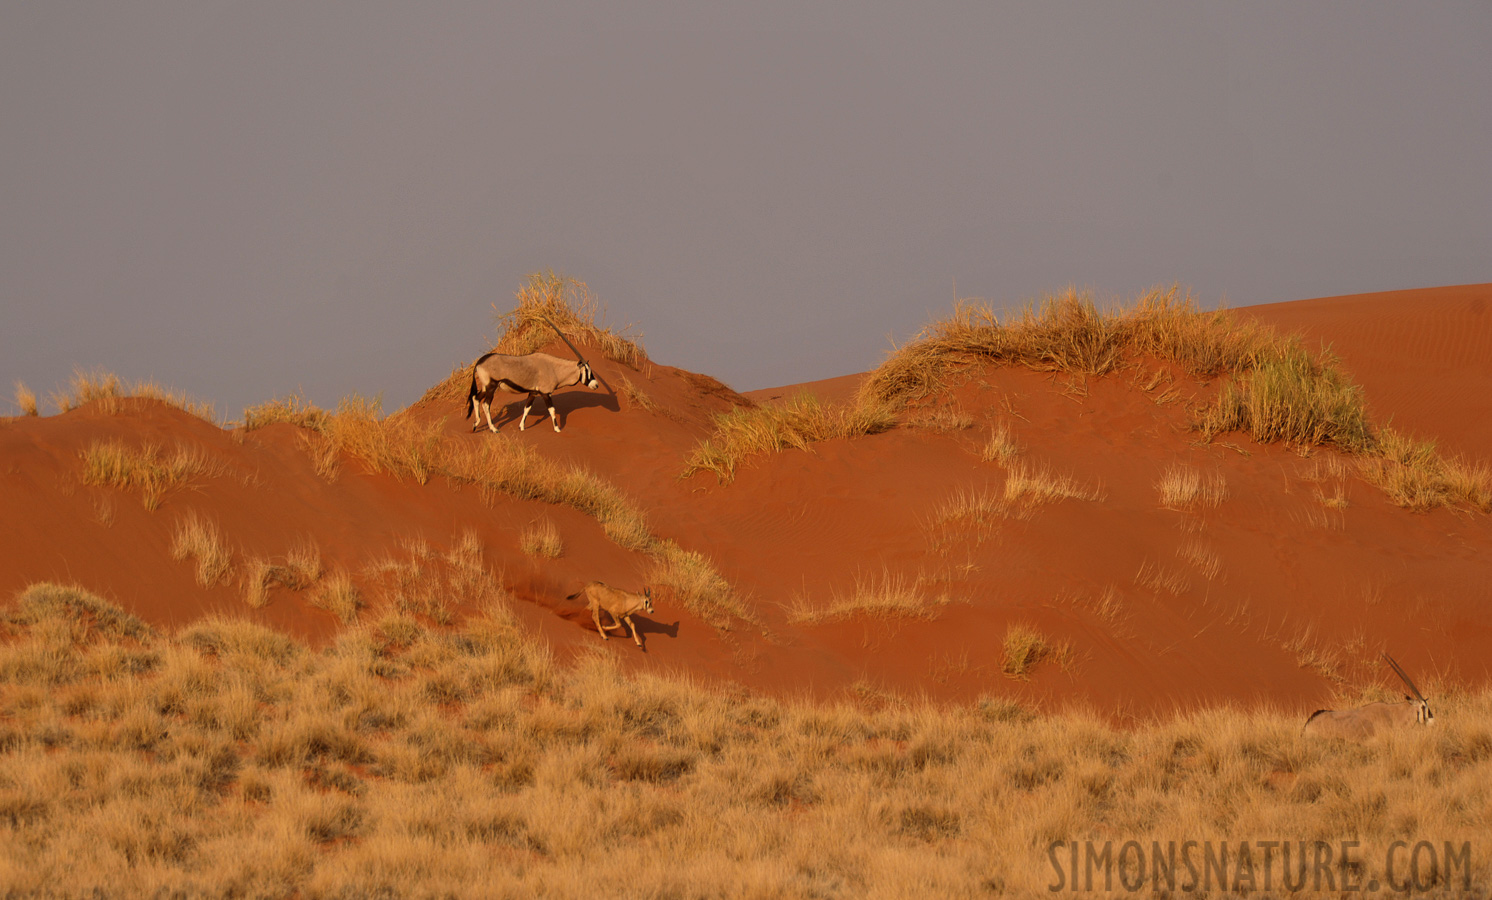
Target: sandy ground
x=1161, y=609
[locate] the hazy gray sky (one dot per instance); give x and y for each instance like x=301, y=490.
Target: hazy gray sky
x=240, y=199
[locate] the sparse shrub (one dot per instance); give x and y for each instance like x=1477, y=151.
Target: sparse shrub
x=1027, y=487
x=542, y=539
x=798, y=422
x=115, y=464
x=1001, y=447
x=198, y=539
x=1185, y=488
x=109, y=392
x=545, y=298
x=294, y=409
x=887, y=597
x=338, y=595
x=26, y=400
x=1026, y=648
x=1292, y=397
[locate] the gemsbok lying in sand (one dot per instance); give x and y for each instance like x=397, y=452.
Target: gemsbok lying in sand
x=535, y=374
x=620, y=605
x=1365, y=721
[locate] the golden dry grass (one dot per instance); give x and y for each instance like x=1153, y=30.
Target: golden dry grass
x=1069, y=333
x=1274, y=389
x=889, y=596
x=637, y=397
x=1415, y=476
x=1001, y=447
x=197, y=538
x=1027, y=487
x=111, y=394
x=547, y=297
x=339, y=595
x=1024, y=648
x=298, y=570
x=25, y=400
x=1185, y=488
x=227, y=760
x=293, y=409
x=145, y=468
x=797, y=422
x=542, y=539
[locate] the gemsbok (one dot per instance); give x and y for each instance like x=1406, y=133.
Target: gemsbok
x=620, y=605
x=535, y=374
x=1365, y=721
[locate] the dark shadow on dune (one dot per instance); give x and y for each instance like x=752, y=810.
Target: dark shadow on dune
x=648, y=626
x=564, y=403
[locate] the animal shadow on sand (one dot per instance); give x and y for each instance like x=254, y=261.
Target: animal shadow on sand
x=564, y=404
x=646, y=626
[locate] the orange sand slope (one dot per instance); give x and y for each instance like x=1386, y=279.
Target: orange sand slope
x=1273, y=595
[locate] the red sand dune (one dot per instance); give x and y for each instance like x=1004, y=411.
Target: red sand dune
x=1291, y=575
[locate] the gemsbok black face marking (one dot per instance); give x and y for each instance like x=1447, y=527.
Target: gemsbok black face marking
x=535, y=374
x=1366, y=721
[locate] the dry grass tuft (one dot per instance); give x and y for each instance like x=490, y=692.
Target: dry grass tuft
x=945, y=420
x=542, y=539
x=293, y=409
x=1160, y=579
x=696, y=584
x=1185, y=488
x=1202, y=557
x=1416, y=477
x=338, y=595
x=797, y=422
x=637, y=397
x=398, y=445
x=1001, y=447
x=300, y=569
x=1068, y=333
x=1026, y=488
x=435, y=586
x=1025, y=648
x=1291, y=396
x=890, y=596
x=547, y=297
x=198, y=538
x=26, y=400
x=111, y=395
x=146, y=469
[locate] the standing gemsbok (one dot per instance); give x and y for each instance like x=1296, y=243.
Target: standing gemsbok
x=1365, y=721
x=535, y=374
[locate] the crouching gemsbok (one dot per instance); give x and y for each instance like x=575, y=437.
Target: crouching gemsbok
x=1365, y=721
x=535, y=374
x=620, y=605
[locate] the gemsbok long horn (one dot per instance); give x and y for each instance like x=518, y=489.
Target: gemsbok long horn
x=1417, y=695
x=565, y=339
